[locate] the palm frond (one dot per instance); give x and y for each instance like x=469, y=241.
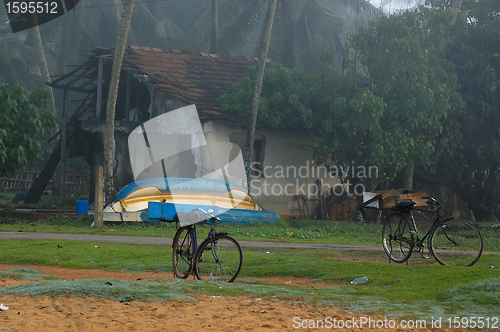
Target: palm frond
x=244, y=28
x=357, y=5
x=79, y=29
x=168, y=28
x=323, y=19
x=305, y=41
x=202, y=21
x=295, y=7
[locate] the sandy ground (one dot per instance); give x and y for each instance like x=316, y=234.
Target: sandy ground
x=210, y=313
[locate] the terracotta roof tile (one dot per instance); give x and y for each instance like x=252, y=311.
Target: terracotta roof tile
x=192, y=77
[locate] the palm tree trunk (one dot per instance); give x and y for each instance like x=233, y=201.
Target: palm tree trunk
x=214, y=32
x=288, y=36
x=457, y=4
x=407, y=173
x=257, y=85
x=128, y=9
x=42, y=64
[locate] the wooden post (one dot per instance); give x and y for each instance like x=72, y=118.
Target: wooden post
x=99, y=170
x=62, y=190
x=99, y=201
x=99, y=89
x=127, y=97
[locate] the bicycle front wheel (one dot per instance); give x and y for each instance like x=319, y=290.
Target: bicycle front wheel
x=397, y=238
x=219, y=260
x=456, y=243
x=182, y=252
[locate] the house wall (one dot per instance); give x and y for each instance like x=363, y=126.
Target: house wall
x=284, y=175
x=285, y=172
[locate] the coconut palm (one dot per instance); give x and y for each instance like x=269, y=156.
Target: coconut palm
x=95, y=24
x=301, y=28
x=128, y=9
x=42, y=64
x=257, y=85
x=20, y=53
x=15, y=57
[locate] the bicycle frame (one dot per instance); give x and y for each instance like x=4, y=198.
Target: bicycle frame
x=193, y=260
x=438, y=222
x=450, y=242
x=211, y=235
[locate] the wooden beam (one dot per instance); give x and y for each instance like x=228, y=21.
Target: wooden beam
x=71, y=88
x=70, y=73
x=99, y=196
x=75, y=116
x=62, y=192
x=99, y=88
x=127, y=96
x=80, y=76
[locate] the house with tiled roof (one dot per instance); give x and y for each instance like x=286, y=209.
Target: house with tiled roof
x=156, y=81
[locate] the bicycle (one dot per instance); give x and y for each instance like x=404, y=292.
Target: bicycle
x=450, y=241
x=218, y=258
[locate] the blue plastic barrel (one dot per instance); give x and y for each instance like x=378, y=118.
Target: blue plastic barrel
x=82, y=206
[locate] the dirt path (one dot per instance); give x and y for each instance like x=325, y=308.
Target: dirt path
x=211, y=313
x=161, y=241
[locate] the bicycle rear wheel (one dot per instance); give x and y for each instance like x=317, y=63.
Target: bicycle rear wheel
x=182, y=252
x=456, y=243
x=397, y=238
x=219, y=260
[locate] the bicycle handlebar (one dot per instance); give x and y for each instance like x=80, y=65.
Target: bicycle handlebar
x=207, y=213
x=431, y=198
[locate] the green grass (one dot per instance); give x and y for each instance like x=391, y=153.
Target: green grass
x=401, y=290
x=421, y=289
x=118, y=290
x=62, y=224
x=24, y=274
x=296, y=231
x=310, y=231
x=292, y=231
x=45, y=202
x=87, y=255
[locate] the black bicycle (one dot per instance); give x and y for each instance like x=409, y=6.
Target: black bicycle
x=450, y=241
x=218, y=257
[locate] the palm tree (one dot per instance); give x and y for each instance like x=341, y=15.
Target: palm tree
x=95, y=24
x=259, y=76
x=302, y=27
x=42, y=63
x=128, y=9
x=15, y=57
x=214, y=31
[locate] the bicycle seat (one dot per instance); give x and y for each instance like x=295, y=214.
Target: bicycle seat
x=406, y=204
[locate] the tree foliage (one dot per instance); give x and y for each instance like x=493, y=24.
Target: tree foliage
x=301, y=28
x=470, y=150
x=387, y=117
x=21, y=126
x=413, y=88
x=403, y=58
x=343, y=122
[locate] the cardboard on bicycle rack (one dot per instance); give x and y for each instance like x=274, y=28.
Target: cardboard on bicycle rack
x=389, y=199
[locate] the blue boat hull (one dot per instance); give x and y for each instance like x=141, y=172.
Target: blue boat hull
x=151, y=200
